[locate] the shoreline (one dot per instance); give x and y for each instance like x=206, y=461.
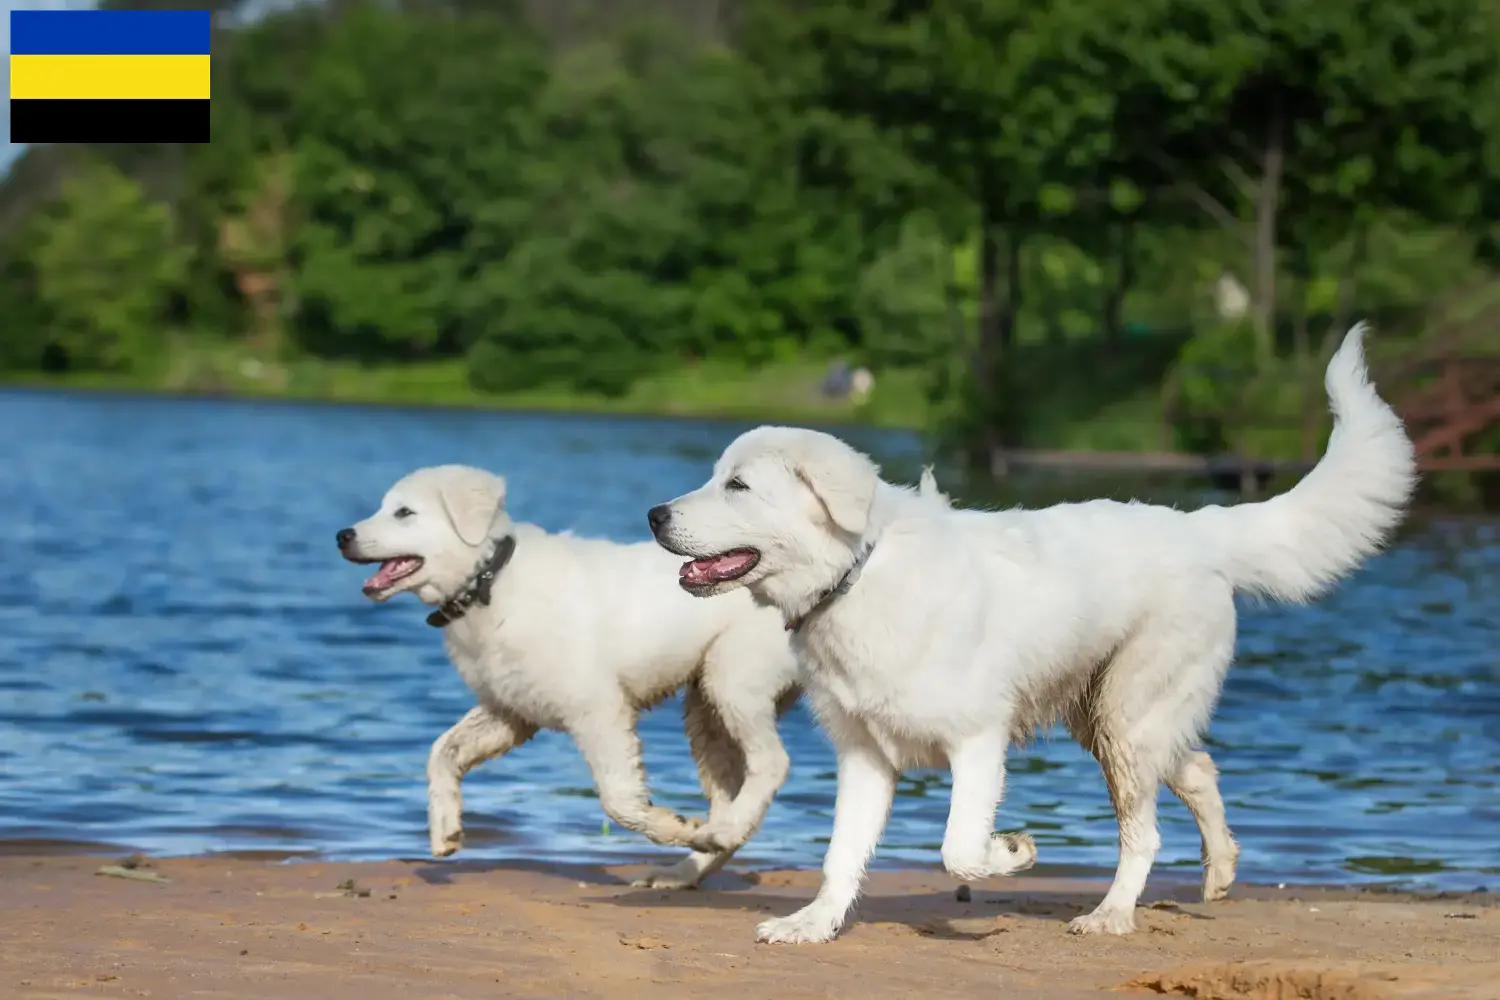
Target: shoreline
x=831, y=417
x=241, y=927
x=829, y=414
x=1175, y=877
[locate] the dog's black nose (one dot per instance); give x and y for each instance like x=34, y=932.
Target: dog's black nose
x=659, y=516
x=345, y=537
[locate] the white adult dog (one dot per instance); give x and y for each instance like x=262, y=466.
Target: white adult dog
x=579, y=635
x=934, y=637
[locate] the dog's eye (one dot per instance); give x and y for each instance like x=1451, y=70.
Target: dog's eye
x=402, y=513
x=736, y=485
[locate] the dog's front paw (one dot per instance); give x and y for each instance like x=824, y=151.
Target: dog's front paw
x=1005, y=854
x=813, y=924
x=715, y=839
x=1218, y=876
x=1104, y=921
x=683, y=875
x=445, y=833
x=1011, y=853
x=663, y=826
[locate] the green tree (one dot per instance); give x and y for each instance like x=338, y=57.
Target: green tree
x=584, y=265
x=23, y=322
x=660, y=220
x=1292, y=126
x=107, y=265
x=403, y=128
x=1002, y=101
x=906, y=300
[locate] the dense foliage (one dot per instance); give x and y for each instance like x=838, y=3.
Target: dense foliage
x=1029, y=202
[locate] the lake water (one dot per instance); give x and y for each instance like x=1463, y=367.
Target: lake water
x=186, y=666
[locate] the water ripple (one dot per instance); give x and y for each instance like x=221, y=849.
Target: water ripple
x=189, y=668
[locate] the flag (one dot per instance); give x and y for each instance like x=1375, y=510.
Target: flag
x=109, y=75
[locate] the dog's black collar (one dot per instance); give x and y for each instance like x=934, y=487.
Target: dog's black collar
x=478, y=587
x=835, y=592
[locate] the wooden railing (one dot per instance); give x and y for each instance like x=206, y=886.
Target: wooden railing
x=1447, y=402
x=1447, y=388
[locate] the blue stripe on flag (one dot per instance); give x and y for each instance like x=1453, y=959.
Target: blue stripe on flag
x=110, y=32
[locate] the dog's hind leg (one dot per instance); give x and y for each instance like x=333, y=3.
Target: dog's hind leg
x=685, y=874
x=480, y=735
x=721, y=762
x=612, y=749
x=1196, y=783
x=1132, y=792
x=721, y=771
x=743, y=695
x=1148, y=705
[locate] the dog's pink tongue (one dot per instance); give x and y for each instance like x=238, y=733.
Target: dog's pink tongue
x=714, y=568
x=389, y=572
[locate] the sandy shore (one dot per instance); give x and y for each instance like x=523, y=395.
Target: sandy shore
x=234, y=927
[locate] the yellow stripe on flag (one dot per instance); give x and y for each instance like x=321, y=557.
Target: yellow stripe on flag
x=61, y=78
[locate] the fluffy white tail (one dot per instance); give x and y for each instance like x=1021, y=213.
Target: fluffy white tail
x=1295, y=546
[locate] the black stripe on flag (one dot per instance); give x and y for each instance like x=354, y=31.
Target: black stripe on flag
x=109, y=121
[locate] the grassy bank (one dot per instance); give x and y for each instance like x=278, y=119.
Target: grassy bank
x=779, y=393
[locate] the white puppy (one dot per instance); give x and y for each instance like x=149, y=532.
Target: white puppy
x=935, y=637
x=579, y=635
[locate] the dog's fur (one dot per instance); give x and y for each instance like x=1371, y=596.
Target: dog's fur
x=935, y=637
x=579, y=636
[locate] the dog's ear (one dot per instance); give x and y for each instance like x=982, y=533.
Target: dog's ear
x=472, y=498
x=841, y=478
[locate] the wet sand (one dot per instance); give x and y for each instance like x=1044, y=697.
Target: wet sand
x=248, y=928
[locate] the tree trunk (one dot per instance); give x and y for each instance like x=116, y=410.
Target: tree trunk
x=990, y=341
x=1267, y=202
x=1308, y=365
x=952, y=300
x=991, y=336
x=1124, y=277
x=999, y=305
x=1343, y=310
x=1011, y=306
x=1300, y=349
